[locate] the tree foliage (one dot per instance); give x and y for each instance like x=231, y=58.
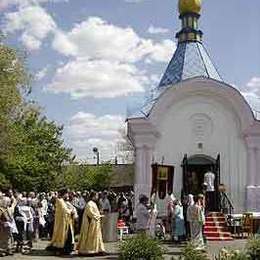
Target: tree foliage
x=86, y=177
x=14, y=81
x=38, y=152
x=32, y=152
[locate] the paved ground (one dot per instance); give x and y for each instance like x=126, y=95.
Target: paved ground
x=38, y=252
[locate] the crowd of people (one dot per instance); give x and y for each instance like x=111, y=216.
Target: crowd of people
x=58, y=216
x=65, y=215
x=182, y=219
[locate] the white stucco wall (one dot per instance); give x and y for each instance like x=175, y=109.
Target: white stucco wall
x=204, y=119
x=203, y=111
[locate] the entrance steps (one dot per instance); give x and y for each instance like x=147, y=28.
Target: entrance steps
x=215, y=228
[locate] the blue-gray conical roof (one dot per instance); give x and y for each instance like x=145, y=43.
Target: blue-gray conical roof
x=190, y=60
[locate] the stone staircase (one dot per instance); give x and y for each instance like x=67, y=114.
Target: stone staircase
x=215, y=228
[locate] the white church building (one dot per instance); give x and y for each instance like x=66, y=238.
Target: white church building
x=196, y=122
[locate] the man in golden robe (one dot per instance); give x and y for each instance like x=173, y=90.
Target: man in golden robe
x=63, y=233
x=91, y=241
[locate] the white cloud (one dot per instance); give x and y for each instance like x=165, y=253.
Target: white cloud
x=63, y=45
x=4, y=4
x=33, y=22
x=95, y=38
x=41, y=73
x=30, y=42
x=157, y=30
x=252, y=93
x=252, y=88
x=162, y=52
x=97, y=78
x=86, y=131
x=254, y=85
x=252, y=99
x=103, y=58
x=134, y=1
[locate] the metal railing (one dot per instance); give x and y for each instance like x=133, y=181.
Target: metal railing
x=226, y=205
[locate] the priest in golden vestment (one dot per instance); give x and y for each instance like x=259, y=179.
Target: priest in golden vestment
x=90, y=240
x=62, y=241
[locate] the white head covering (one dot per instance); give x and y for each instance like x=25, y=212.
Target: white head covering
x=190, y=200
x=21, y=201
x=5, y=202
x=172, y=197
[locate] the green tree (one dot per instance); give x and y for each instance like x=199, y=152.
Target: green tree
x=32, y=152
x=39, y=152
x=14, y=81
x=100, y=176
x=86, y=177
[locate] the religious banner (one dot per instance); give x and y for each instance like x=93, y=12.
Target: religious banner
x=162, y=181
x=162, y=173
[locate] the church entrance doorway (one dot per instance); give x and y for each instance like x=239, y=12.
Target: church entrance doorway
x=201, y=175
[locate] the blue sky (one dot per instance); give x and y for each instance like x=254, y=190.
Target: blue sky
x=93, y=59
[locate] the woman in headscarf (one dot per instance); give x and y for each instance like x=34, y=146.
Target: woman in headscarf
x=196, y=218
x=152, y=219
x=5, y=226
x=190, y=200
x=24, y=216
x=178, y=222
x=187, y=201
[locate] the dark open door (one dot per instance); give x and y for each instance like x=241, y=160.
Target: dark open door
x=184, y=175
x=217, y=181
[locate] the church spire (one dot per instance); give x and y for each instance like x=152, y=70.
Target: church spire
x=191, y=58
x=189, y=14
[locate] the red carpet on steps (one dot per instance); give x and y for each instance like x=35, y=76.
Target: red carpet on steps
x=215, y=228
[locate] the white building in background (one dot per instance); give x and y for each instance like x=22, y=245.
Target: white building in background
x=197, y=122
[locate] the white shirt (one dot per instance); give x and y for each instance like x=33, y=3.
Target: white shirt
x=105, y=205
x=209, y=179
x=44, y=207
x=162, y=207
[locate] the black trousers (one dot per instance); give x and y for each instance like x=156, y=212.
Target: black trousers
x=68, y=247
x=211, y=203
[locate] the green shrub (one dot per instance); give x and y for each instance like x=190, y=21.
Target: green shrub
x=191, y=253
x=230, y=254
x=141, y=247
x=253, y=248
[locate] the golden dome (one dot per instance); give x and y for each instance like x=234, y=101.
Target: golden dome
x=189, y=6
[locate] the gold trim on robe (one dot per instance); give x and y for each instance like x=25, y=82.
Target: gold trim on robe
x=63, y=221
x=91, y=241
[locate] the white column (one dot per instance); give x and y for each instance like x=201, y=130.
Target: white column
x=139, y=172
x=148, y=170
x=257, y=173
x=251, y=176
x=251, y=179
x=257, y=180
x=143, y=171
x=138, y=164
